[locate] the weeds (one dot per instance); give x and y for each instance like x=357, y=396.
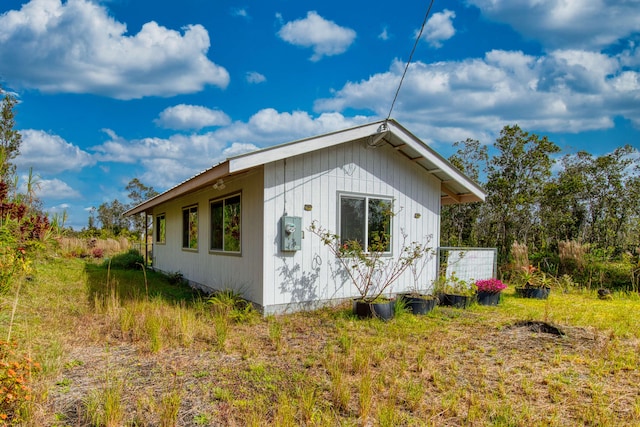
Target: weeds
x=105, y=406
x=232, y=305
x=221, y=326
x=365, y=396
x=275, y=333
x=452, y=367
x=169, y=407
x=307, y=403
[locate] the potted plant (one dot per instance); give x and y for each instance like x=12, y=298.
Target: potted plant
x=370, y=269
x=489, y=290
x=534, y=283
x=418, y=300
x=455, y=292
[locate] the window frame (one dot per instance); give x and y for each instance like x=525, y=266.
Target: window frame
x=366, y=198
x=212, y=229
x=187, y=233
x=160, y=239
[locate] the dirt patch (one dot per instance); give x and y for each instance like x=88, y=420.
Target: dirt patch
x=539, y=327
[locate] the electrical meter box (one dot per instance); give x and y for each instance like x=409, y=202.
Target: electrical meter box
x=291, y=233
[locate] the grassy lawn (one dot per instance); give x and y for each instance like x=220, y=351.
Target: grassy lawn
x=116, y=351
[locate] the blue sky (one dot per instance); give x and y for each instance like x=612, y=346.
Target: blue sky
x=119, y=89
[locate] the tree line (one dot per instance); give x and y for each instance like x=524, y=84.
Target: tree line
x=538, y=197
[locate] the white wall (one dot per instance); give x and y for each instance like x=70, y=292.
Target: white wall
x=215, y=270
x=317, y=179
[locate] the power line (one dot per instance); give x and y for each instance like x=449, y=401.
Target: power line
x=424, y=22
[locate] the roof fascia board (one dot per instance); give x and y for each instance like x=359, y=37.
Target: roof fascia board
x=440, y=162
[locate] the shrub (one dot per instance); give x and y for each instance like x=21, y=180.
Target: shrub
x=97, y=252
x=15, y=374
x=175, y=278
x=367, y=266
x=13, y=261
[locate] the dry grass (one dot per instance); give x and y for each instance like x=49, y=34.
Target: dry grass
x=85, y=247
x=520, y=254
x=572, y=255
x=481, y=367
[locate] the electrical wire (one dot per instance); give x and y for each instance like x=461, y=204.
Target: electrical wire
x=424, y=22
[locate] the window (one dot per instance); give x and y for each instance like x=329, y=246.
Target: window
x=226, y=224
x=190, y=227
x=362, y=216
x=161, y=229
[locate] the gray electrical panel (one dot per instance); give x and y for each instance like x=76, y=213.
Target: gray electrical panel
x=291, y=233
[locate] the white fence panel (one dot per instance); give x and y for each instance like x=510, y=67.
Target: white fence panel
x=468, y=264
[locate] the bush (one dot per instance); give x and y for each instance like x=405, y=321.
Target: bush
x=614, y=275
x=97, y=252
x=176, y=278
x=231, y=304
x=15, y=374
x=130, y=260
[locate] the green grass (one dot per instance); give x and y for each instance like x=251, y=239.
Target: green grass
x=115, y=351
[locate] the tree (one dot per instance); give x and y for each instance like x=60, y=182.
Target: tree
x=138, y=193
x=563, y=213
x=594, y=199
x=111, y=218
x=91, y=225
x=515, y=181
x=608, y=200
x=10, y=139
x=458, y=221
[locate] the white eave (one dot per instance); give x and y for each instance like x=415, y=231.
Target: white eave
x=455, y=187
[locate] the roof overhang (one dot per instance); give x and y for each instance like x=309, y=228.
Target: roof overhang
x=455, y=186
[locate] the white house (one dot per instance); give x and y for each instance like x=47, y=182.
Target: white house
x=244, y=223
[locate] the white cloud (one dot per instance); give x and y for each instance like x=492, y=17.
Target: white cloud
x=166, y=173
x=384, y=35
x=255, y=77
x=583, y=24
x=76, y=47
x=325, y=37
x=55, y=189
x=194, y=148
x=268, y=126
x=439, y=28
x=238, y=148
x=47, y=153
x=577, y=71
x=241, y=12
x=169, y=161
x=184, y=117
x=555, y=93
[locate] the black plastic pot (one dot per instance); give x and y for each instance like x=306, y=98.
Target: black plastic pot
x=418, y=304
x=384, y=310
x=457, y=301
x=537, y=293
x=488, y=298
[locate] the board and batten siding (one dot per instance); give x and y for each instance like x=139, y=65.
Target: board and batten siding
x=208, y=269
x=308, y=277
